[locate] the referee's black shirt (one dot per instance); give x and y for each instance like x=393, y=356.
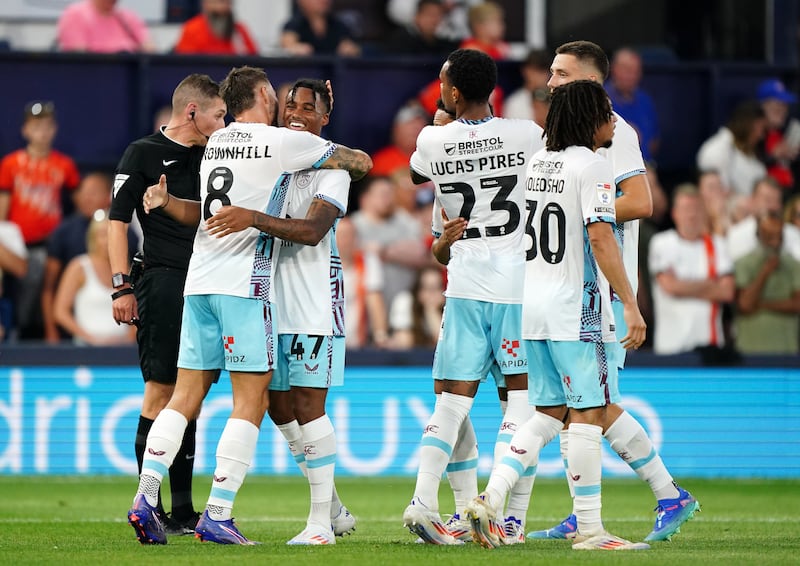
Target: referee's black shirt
x=167, y=243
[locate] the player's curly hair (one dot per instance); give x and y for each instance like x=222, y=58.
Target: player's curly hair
x=473, y=73
x=317, y=86
x=238, y=88
x=587, y=52
x=577, y=109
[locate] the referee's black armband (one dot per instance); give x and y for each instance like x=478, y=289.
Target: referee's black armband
x=121, y=293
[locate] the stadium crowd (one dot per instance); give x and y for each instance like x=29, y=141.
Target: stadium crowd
x=711, y=277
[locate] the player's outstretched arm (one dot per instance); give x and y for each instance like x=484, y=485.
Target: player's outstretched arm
x=606, y=252
x=156, y=197
x=308, y=231
x=354, y=161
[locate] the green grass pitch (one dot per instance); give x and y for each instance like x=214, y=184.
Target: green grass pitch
x=81, y=520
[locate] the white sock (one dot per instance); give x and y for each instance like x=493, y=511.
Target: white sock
x=294, y=438
x=235, y=450
x=563, y=444
x=629, y=439
x=518, y=412
x=462, y=470
x=523, y=453
x=437, y=444
x=319, y=445
x=586, y=471
x=163, y=442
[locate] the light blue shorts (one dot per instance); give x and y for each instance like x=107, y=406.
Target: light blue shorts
x=303, y=360
x=225, y=332
x=476, y=335
x=568, y=373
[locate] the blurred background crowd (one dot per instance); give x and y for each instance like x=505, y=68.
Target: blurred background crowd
x=719, y=258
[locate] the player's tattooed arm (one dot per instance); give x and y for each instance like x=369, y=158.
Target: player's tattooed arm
x=453, y=230
x=354, y=161
x=308, y=231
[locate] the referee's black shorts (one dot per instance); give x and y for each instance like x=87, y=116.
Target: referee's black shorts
x=159, y=295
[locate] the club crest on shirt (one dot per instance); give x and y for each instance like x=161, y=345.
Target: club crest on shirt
x=449, y=148
x=303, y=179
x=604, y=192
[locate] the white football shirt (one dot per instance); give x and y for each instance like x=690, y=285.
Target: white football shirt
x=245, y=165
x=565, y=191
x=309, y=288
x=478, y=168
x=626, y=160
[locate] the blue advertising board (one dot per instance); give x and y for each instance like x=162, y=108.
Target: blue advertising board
x=724, y=422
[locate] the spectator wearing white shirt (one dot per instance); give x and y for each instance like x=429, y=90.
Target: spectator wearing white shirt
x=692, y=278
x=766, y=199
x=732, y=150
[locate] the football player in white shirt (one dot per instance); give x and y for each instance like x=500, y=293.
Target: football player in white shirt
x=228, y=298
x=569, y=192
x=477, y=164
x=584, y=60
x=309, y=309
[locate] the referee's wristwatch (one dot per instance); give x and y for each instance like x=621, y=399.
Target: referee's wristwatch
x=119, y=279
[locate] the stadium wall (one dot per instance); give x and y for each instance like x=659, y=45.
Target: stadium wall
x=74, y=411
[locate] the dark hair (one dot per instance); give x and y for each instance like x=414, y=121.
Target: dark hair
x=577, y=109
x=238, y=88
x=741, y=122
x=473, y=73
x=195, y=88
x=419, y=330
x=538, y=59
x=317, y=86
x=587, y=52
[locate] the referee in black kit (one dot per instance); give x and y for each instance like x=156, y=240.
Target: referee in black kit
x=157, y=302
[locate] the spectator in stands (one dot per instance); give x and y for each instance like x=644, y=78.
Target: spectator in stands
x=13, y=263
x=791, y=212
x=392, y=233
x=31, y=183
x=716, y=201
x=366, y=316
x=68, y=241
x=83, y=299
x=415, y=316
x=454, y=25
x=98, y=26
x=692, y=278
x=487, y=26
x=531, y=100
x=315, y=30
x=419, y=37
x=631, y=102
x=766, y=199
x=768, y=294
x=781, y=145
x=393, y=160
x=732, y=150
x=215, y=31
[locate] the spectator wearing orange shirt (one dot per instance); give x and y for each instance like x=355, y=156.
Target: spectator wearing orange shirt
x=216, y=32
x=393, y=160
x=31, y=181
